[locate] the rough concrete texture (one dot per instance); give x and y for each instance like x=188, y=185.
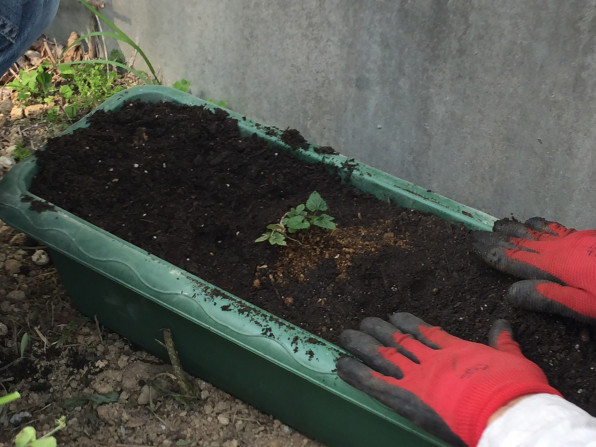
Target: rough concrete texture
x=488, y=103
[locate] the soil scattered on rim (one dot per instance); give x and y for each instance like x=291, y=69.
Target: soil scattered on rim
x=189, y=188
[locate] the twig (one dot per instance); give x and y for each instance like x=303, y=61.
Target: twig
x=43, y=338
x=50, y=55
x=98, y=329
x=175, y=361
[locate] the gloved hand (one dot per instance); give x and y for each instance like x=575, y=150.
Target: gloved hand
x=558, y=263
x=447, y=386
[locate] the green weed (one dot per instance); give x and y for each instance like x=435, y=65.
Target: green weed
x=300, y=218
x=27, y=437
x=182, y=85
x=21, y=152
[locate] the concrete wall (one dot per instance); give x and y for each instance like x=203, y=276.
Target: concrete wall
x=489, y=103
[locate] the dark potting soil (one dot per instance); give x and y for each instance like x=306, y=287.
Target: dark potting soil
x=182, y=183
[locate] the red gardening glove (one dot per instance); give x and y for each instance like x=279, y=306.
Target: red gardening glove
x=447, y=386
x=558, y=263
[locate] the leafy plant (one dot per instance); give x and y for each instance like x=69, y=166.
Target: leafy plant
x=300, y=218
x=182, y=85
x=88, y=85
x=220, y=103
x=34, y=84
x=27, y=437
x=21, y=152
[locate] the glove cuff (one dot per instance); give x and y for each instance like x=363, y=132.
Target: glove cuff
x=484, y=403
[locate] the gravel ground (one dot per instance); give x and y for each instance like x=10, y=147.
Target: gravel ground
x=111, y=393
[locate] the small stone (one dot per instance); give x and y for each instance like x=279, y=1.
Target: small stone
x=40, y=257
x=6, y=162
x=148, y=394
x=16, y=295
x=16, y=113
x=6, y=233
x=3, y=329
x=12, y=266
x=33, y=56
x=5, y=106
x=223, y=420
x=19, y=418
x=34, y=110
x=18, y=239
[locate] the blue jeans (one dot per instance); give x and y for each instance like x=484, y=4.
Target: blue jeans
x=21, y=22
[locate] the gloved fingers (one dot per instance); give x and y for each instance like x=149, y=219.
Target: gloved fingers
x=500, y=337
x=374, y=354
x=535, y=228
x=513, y=257
x=548, y=227
x=388, y=391
x=430, y=336
x=512, y=228
x=387, y=334
x=551, y=297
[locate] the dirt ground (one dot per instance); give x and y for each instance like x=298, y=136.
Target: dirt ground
x=112, y=393
x=190, y=189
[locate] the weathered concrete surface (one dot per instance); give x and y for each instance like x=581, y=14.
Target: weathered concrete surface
x=489, y=103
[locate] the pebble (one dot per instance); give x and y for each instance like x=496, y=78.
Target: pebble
x=223, y=420
x=18, y=418
x=12, y=266
x=16, y=295
x=7, y=162
x=40, y=257
x=18, y=239
x=3, y=329
x=34, y=110
x=148, y=393
x=16, y=113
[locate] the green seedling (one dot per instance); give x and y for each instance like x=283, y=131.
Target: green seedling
x=34, y=85
x=9, y=398
x=220, y=103
x=21, y=152
x=300, y=218
x=183, y=85
x=104, y=398
x=27, y=437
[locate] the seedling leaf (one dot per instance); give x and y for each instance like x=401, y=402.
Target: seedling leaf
x=25, y=437
x=296, y=223
x=324, y=221
x=277, y=239
x=105, y=398
x=263, y=238
x=24, y=344
x=316, y=203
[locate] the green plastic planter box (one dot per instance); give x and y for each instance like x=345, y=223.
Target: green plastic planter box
x=238, y=347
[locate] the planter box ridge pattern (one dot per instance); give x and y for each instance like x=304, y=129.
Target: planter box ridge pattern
x=221, y=338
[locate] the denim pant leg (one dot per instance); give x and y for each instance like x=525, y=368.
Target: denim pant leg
x=21, y=22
